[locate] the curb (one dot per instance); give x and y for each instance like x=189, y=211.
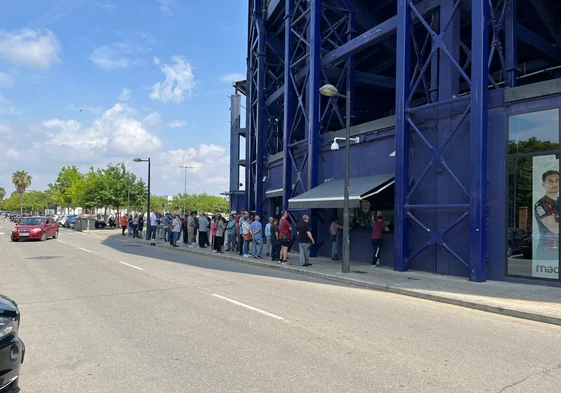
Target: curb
x=511, y=312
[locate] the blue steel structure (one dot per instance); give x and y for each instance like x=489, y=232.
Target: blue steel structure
x=439, y=66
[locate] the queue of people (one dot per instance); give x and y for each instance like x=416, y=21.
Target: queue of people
x=243, y=233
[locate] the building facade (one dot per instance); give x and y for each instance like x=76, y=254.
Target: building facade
x=455, y=107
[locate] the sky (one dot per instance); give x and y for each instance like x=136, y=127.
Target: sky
x=93, y=82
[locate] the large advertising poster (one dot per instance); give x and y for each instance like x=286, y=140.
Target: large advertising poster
x=545, y=237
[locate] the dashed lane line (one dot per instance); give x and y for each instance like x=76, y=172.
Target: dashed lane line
x=249, y=307
x=83, y=249
x=60, y=241
x=134, y=267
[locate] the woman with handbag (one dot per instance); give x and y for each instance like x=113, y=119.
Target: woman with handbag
x=247, y=238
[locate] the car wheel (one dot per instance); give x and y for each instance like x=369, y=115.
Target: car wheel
x=55, y=236
x=509, y=251
x=44, y=236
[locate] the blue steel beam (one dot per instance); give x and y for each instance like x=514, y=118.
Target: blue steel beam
x=478, y=141
x=288, y=104
x=313, y=102
x=403, y=74
x=376, y=34
x=511, y=47
x=535, y=41
x=261, y=114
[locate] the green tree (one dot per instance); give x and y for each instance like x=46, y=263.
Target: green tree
x=2, y=193
x=68, y=186
x=12, y=203
x=22, y=181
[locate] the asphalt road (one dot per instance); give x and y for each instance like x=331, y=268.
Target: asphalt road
x=110, y=316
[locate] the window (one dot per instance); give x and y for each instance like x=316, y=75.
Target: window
x=533, y=196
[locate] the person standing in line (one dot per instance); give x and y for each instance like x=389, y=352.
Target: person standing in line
x=305, y=240
x=268, y=235
x=241, y=239
x=140, y=224
x=196, y=234
x=203, y=231
x=335, y=230
x=176, y=230
x=213, y=224
x=231, y=230
x=219, y=236
x=135, y=226
x=185, y=226
x=378, y=228
x=129, y=225
x=257, y=235
x=123, y=221
x=275, y=241
x=167, y=222
x=153, y=226
x=284, y=230
x=191, y=229
x=246, y=233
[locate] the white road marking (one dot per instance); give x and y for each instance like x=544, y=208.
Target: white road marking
x=60, y=241
x=135, y=267
x=83, y=249
x=2, y=233
x=249, y=307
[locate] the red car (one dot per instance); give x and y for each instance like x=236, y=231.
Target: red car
x=36, y=228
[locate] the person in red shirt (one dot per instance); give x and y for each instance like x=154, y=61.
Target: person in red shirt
x=378, y=228
x=284, y=229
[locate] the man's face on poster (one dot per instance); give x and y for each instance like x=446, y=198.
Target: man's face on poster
x=551, y=184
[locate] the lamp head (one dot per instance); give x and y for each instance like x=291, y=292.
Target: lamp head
x=137, y=160
x=328, y=90
x=334, y=146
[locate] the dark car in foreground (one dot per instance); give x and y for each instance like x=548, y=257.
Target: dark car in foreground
x=12, y=348
x=35, y=228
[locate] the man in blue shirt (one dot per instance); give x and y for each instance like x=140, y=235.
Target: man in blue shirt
x=257, y=234
x=268, y=235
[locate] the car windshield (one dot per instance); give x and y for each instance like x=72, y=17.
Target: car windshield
x=32, y=221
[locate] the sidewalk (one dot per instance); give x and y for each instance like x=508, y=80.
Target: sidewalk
x=533, y=302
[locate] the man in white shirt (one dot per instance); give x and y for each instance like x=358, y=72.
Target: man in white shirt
x=176, y=229
x=153, y=226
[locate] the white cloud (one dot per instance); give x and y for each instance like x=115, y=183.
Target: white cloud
x=5, y=130
x=106, y=6
x=170, y=7
x=12, y=154
x=34, y=48
x=122, y=54
x=234, y=77
x=125, y=95
x=180, y=81
x=116, y=131
x=177, y=124
x=6, y=80
x=7, y=107
x=152, y=119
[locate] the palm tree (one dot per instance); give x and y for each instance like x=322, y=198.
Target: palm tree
x=22, y=181
x=2, y=193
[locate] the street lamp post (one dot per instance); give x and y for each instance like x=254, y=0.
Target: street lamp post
x=185, y=188
x=331, y=91
x=148, y=208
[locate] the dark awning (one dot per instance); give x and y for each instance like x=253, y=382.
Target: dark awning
x=329, y=195
x=273, y=193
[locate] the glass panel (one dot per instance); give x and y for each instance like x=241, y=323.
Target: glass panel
x=534, y=132
x=533, y=207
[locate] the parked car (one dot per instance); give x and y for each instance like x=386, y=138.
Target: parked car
x=515, y=236
x=12, y=348
x=35, y=228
